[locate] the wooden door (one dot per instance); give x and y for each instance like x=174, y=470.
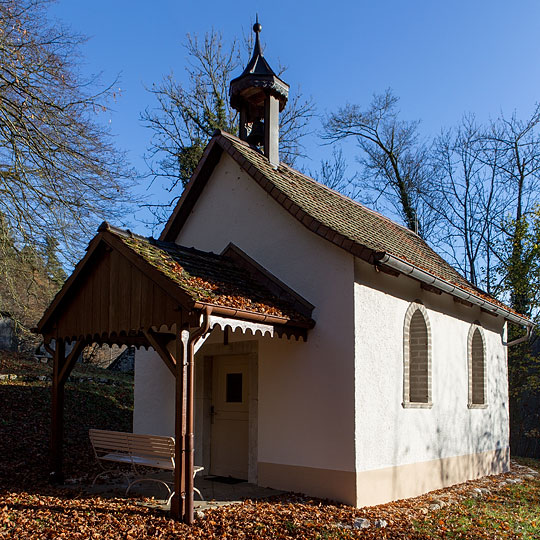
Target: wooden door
x=230, y=417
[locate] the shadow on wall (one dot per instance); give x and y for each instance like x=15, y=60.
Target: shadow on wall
x=463, y=443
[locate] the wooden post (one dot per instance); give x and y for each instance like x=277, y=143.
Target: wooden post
x=178, y=502
x=190, y=392
x=57, y=417
x=190, y=449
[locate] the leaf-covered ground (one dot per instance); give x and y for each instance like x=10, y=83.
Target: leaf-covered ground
x=505, y=506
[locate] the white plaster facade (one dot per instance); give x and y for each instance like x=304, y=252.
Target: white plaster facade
x=329, y=416
x=388, y=435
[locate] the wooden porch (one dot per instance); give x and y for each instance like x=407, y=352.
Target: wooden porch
x=132, y=291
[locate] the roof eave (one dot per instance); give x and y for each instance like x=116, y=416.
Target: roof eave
x=406, y=268
x=253, y=316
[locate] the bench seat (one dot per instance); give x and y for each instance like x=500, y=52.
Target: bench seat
x=137, y=450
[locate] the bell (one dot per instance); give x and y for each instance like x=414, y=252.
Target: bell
x=256, y=134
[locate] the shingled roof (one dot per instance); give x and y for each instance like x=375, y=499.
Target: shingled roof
x=208, y=278
x=230, y=285
x=344, y=222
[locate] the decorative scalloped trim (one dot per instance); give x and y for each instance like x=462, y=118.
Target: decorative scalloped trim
x=244, y=326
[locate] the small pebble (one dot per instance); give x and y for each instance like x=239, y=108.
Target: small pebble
x=362, y=523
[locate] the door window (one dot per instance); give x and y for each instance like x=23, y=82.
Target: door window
x=233, y=388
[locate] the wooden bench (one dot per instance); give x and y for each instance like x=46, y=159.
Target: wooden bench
x=135, y=450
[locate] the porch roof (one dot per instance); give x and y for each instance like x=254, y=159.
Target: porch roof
x=127, y=283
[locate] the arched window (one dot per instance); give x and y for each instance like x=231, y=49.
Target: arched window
x=417, y=358
x=476, y=345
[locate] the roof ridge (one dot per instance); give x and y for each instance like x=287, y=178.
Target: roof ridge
x=105, y=226
x=327, y=188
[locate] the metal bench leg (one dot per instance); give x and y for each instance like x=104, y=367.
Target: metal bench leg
x=111, y=471
x=197, y=491
x=137, y=480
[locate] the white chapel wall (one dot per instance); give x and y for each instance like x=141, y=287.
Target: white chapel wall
x=306, y=394
x=154, y=393
x=389, y=436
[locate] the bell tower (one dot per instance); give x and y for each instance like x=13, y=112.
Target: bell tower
x=259, y=95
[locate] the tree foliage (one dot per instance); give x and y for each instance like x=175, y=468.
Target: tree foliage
x=60, y=173
x=31, y=276
x=190, y=109
x=518, y=170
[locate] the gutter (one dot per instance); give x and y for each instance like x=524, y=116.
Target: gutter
x=250, y=316
x=426, y=277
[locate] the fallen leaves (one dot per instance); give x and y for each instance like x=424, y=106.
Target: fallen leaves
x=504, y=506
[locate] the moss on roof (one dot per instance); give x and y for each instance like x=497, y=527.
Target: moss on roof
x=209, y=278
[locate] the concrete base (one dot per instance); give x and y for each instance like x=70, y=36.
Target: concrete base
x=324, y=483
x=406, y=481
x=379, y=486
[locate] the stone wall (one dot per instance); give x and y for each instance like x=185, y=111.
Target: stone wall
x=8, y=336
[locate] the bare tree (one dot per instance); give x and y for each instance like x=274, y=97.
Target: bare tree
x=332, y=173
x=469, y=200
x=512, y=149
x=60, y=173
x=394, y=163
x=187, y=113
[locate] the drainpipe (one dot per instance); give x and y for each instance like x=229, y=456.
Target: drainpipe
x=517, y=341
x=190, y=447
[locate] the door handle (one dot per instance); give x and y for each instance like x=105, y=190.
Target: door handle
x=212, y=414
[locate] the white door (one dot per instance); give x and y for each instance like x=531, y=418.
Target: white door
x=230, y=415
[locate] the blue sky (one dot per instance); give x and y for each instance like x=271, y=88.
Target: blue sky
x=441, y=58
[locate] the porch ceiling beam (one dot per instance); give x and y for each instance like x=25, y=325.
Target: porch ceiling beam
x=160, y=346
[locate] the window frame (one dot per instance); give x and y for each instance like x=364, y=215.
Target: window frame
x=472, y=330
x=407, y=403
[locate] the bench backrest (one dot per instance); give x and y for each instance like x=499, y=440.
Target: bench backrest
x=107, y=441
x=133, y=444
x=152, y=446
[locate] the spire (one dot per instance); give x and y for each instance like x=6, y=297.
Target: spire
x=257, y=65
x=258, y=94
x=257, y=27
